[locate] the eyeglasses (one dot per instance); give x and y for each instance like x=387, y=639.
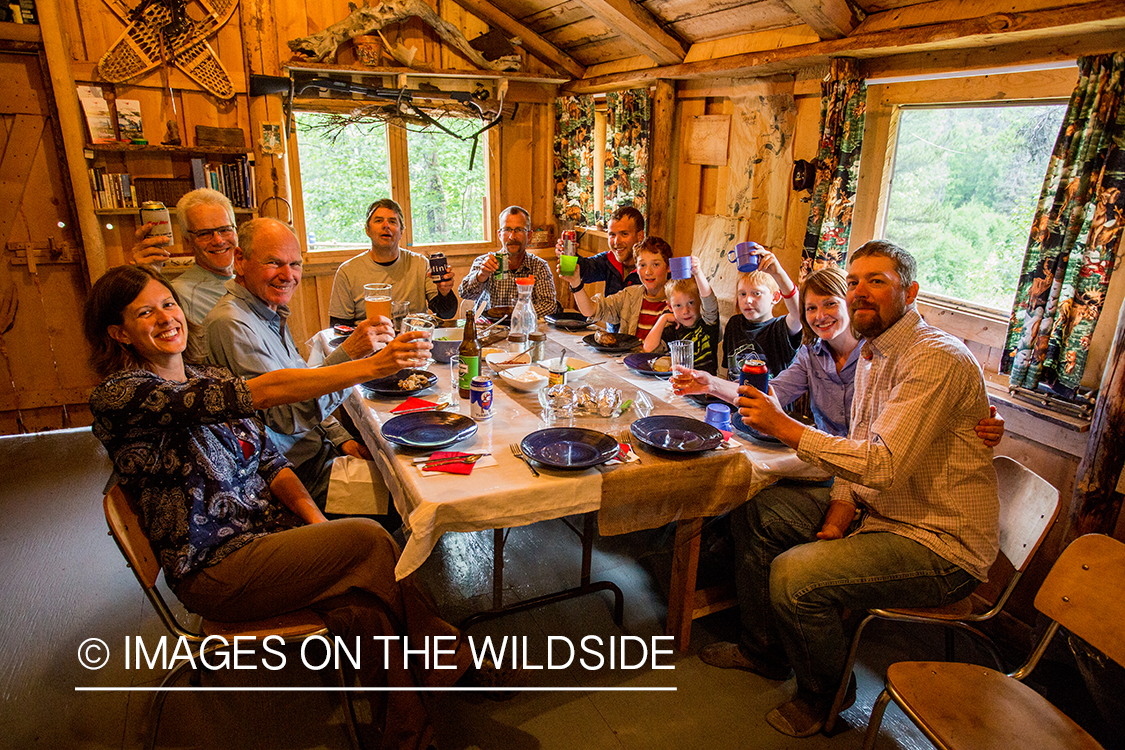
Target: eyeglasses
x=206, y=234
x=513, y=230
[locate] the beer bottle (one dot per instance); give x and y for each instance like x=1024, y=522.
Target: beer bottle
x=470, y=356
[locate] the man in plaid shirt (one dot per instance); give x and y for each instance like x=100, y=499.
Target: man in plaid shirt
x=912, y=471
x=515, y=229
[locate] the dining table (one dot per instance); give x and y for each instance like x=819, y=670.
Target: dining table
x=653, y=488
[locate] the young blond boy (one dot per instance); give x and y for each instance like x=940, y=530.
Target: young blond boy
x=634, y=309
x=694, y=315
x=755, y=328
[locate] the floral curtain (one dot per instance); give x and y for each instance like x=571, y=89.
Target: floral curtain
x=1076, y=228
x=628, y=122
x=843, y=105
x=574, y=159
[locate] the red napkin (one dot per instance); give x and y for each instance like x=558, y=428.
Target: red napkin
x=450, y=468
x=412, y=404
x=726, y=434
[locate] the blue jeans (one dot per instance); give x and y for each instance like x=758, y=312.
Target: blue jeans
x=792, y=587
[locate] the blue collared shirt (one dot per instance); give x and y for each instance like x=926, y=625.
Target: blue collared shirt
x=814, y=372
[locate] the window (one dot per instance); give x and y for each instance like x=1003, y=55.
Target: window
x=343, y=169
x=963, y=189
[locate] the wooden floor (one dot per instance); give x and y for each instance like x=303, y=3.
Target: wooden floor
x=65, y=582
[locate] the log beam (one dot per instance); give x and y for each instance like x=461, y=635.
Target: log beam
x=636, y=24
x=1096, y=503
x=986, y=31
x=660, y=177
x=530, y=41
x=830, y=19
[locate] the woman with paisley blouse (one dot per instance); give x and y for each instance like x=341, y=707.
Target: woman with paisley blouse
x=237, y=535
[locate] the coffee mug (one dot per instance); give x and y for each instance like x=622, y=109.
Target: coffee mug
x=746, y=260
x=680, y=267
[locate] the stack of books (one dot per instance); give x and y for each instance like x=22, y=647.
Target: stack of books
x=234, y=179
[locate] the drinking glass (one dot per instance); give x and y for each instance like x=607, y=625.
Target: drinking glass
x=377, y=301
x=683, y=356
x=399, y=311
x=425, y=325
x=454, y=381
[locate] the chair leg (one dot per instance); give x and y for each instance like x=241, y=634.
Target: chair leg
x=834, y=712
x=876, y=719
x=349, y=709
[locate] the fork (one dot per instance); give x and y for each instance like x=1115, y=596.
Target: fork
x=625, y=436
x=519, y=454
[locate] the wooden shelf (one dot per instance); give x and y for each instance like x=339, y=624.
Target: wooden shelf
x=135, y=212
x=496, y=75
x=171, y=150
x=20, y=32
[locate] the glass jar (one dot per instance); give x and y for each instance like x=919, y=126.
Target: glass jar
x=517, y=342
x=524, y=319
x=537, y=340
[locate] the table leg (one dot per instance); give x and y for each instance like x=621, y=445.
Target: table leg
x=681, y=594
x=499, y=536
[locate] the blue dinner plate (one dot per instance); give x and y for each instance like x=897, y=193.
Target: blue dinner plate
x=428, y=430
x=677, y=434
x=642, y=362
x=625, y=342
x=569, y=447
x=388, y=386
x=569, y=321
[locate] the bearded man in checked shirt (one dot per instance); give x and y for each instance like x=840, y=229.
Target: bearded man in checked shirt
x=926, y=520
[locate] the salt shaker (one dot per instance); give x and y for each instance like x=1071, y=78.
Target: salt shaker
x=538, y=342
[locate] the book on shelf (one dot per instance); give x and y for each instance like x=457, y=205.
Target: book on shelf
x=97, y=114
x=129, y=119
x=234, y=178
x=112, y=189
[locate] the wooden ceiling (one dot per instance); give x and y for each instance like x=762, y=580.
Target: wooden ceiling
x=613, y=39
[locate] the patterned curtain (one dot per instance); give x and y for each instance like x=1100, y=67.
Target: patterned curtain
x=574, y=159
x=1079, y=218
x=628, y=121
x=843, y=105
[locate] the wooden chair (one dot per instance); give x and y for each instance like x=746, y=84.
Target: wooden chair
x=969, y=706
x=292, y=627
x=1028, y=506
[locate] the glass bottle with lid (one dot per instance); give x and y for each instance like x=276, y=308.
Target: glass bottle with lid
x=524, y=319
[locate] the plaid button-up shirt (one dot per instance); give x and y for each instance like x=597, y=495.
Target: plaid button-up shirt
x=912, y=460
x=502, y=291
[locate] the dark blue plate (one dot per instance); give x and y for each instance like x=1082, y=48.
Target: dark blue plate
x=677, y=434
x=337, y=341
x=625, y=343
x=569, y=321
x=428, y=430
x=388, y=386
x=569, y=447
x=642, y=362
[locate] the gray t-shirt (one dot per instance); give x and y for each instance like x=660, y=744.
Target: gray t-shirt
x=409, y=277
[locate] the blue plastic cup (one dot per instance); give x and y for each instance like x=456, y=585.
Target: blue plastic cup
x=742, y=255
x=680, y=267
x=718, y=416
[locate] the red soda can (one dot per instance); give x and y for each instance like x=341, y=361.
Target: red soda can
x=755, y=373
x=570, y=242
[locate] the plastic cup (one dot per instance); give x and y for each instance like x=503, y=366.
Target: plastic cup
x=718, y=416
x=568, y=264
x=746, y=260
x=680, y=267
x=377, y=301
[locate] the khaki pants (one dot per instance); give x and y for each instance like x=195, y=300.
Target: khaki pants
x=343, y=570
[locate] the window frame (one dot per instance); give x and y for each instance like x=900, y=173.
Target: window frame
x=987, y=312
x=399, y=171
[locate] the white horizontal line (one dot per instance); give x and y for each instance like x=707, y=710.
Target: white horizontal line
x=149, y=689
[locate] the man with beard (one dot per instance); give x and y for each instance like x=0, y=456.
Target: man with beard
x=921, y=483
x=514, y=232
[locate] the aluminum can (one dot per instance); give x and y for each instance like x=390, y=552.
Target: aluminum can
x=570, y=242
x=755, y=373
x=480, y=398
x=157, y=213
x=502, y=259
x=438, y=265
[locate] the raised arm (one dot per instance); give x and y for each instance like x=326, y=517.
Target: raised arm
x=768, y=263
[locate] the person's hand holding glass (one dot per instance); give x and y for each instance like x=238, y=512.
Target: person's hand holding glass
x=683, y=359
x=423, y=325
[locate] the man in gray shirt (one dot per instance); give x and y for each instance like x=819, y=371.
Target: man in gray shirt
x=246, y=333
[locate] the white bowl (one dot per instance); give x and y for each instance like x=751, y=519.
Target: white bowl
x=498, y=360
x=576, y=368
x=513, y=376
